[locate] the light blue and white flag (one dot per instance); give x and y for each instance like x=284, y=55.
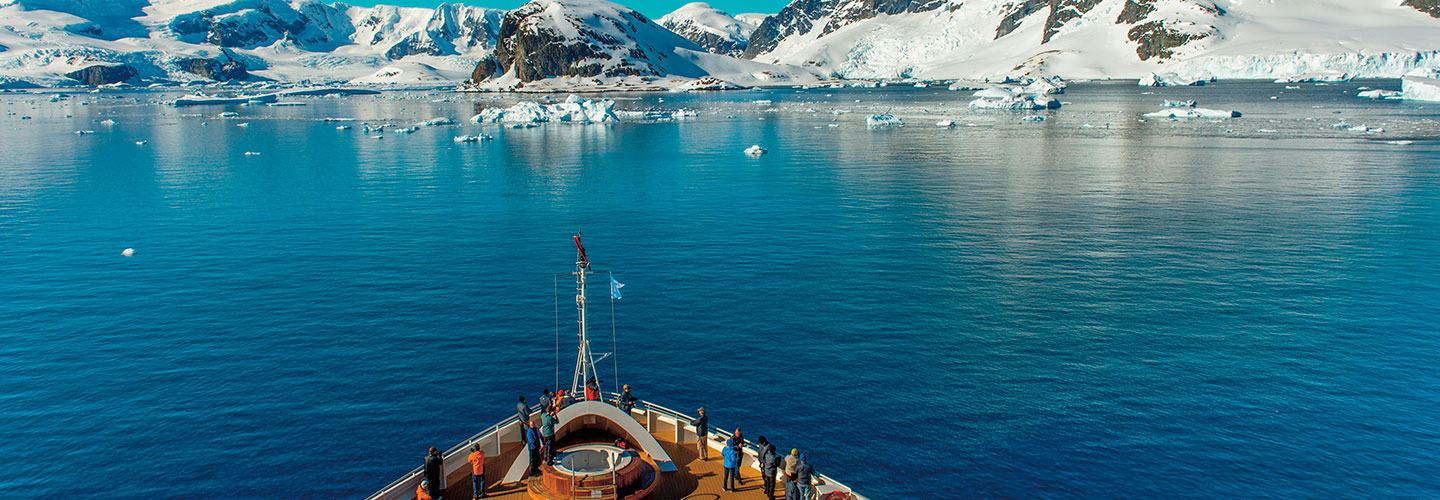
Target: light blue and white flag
x=615, y=287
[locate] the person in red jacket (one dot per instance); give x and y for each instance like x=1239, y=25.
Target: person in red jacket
x=477, y=470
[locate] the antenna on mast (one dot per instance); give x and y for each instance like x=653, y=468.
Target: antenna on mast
x=584, y=359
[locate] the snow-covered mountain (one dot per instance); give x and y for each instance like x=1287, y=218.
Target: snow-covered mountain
x=45, y=40
x=555, y=44
x=1101, y=38
x=710, y=28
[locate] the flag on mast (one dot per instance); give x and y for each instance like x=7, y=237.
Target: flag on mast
x=615, y=287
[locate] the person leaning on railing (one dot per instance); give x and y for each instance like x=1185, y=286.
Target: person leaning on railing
x=626, y=401
x=702, y=433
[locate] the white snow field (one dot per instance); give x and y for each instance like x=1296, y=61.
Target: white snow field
x=1264, y=39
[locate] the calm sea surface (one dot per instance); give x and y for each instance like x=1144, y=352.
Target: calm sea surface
x=1091, y=306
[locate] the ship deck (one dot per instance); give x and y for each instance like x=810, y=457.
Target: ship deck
x=695, y=479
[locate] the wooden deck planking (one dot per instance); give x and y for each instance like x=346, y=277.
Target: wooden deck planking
x=695, y=479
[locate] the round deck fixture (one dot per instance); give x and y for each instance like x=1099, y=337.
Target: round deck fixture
x=593, y=459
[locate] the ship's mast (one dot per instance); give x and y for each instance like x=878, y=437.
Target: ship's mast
x=584, y=360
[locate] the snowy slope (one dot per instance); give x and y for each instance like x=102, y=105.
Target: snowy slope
x=709, y=27
x=292, y=40
x=603, y=45
x=1098, y=38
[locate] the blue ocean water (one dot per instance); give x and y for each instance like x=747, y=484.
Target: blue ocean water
x=1096, y=305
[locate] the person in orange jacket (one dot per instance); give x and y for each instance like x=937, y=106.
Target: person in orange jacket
x=423, y=491
x=477, y=470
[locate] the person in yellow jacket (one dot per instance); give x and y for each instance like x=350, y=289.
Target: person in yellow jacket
x=477, y=470
x=422, y=492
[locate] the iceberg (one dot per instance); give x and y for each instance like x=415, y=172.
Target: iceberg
x=1156, y=80
x=883, y=121
x=1192, y=113
x=755, y=150
x=436, y=122
x=472, y=138
x=1027, y=102
x=573, y=110
x=1381, y=94
x=1179, y=104
x=1418, y=88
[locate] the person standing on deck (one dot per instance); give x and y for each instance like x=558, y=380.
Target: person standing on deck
x=533, y=437
x=547, y=434
x=627, y=401
x=434, y=468
x=737, y=441
x=702, y=434
x=790, y=461
x=522, y=410
x=592, y=390
x=477, y=471
x=804, y=475
x=792, y=491
x=547, y=399
x=769, y=462
x=730, y=456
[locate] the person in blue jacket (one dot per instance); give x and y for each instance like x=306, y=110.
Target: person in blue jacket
x=731, y=460
x=532, y=434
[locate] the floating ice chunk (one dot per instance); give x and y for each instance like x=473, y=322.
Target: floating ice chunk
x=996, y=92
x=108, y=122
x=1192, y=113
x=883, y=121
x=84, y=132
x=1362, y=129
x=1381, y=94
x=1179, y=104
x=252, y=153
x=755, y=150
x=573, y=110
x=681, y=114
x=1340, y=124
x=833, y=125
x=1019, y=102
x=1419, y=88
x=343, y=127
x=195, y=100
x=1033, y=118
x=435, y=122
x=964, y=85
x=763, y=102
x=285, y=104
x=128, y=252
x=1401, y=143
x=945, y=123
x=407, y=130
x=141, y=143
x=1292, y=87
x=472, y=138
x=244, y=124
x=1154, y=80
x=1323, y=76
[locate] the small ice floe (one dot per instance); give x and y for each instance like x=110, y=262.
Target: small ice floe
x=285, y=104
x=1179, y=104
x=762, y=102
x=407, y=130
x=1267, y=131
x=436, y=122
x=108, y=122
x=1033, y=118
x=252, y=153
x=128, y=252
x=204, y=124
x=833, y=125
x=1365, y=129
x=681, y=114
x=1381, y=94
x=141, y=143
x=883, y=121
x=523, y=125
x=378, y=136
x=84, y=132
x=473, y=138
x=1292, y=87
x=228, y=114
x=1193, y=113
x=56, y=98
x=921, y=85
x=246, y=124
x=755, y=150
x=343, y=127
x=945, y=123
x=1400, y=143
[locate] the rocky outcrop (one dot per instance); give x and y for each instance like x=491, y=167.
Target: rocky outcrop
x=103, y=74
x=1016, y=13
x=1431, y=7
x=255, y=23
x=1061, y=12
x=1157, y=39
x=220, y=69
x=585, y=38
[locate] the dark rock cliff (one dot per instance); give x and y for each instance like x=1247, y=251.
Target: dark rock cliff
x=103, y=74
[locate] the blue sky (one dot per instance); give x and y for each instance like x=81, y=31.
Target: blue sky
x=651, y=8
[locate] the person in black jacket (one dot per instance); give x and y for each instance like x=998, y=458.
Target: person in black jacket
x=627, y=401
x=702, y=434
x=522, y=410
x=769, y=464
x=434, y=465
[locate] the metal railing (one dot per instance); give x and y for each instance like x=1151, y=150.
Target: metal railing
x=459, y=448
